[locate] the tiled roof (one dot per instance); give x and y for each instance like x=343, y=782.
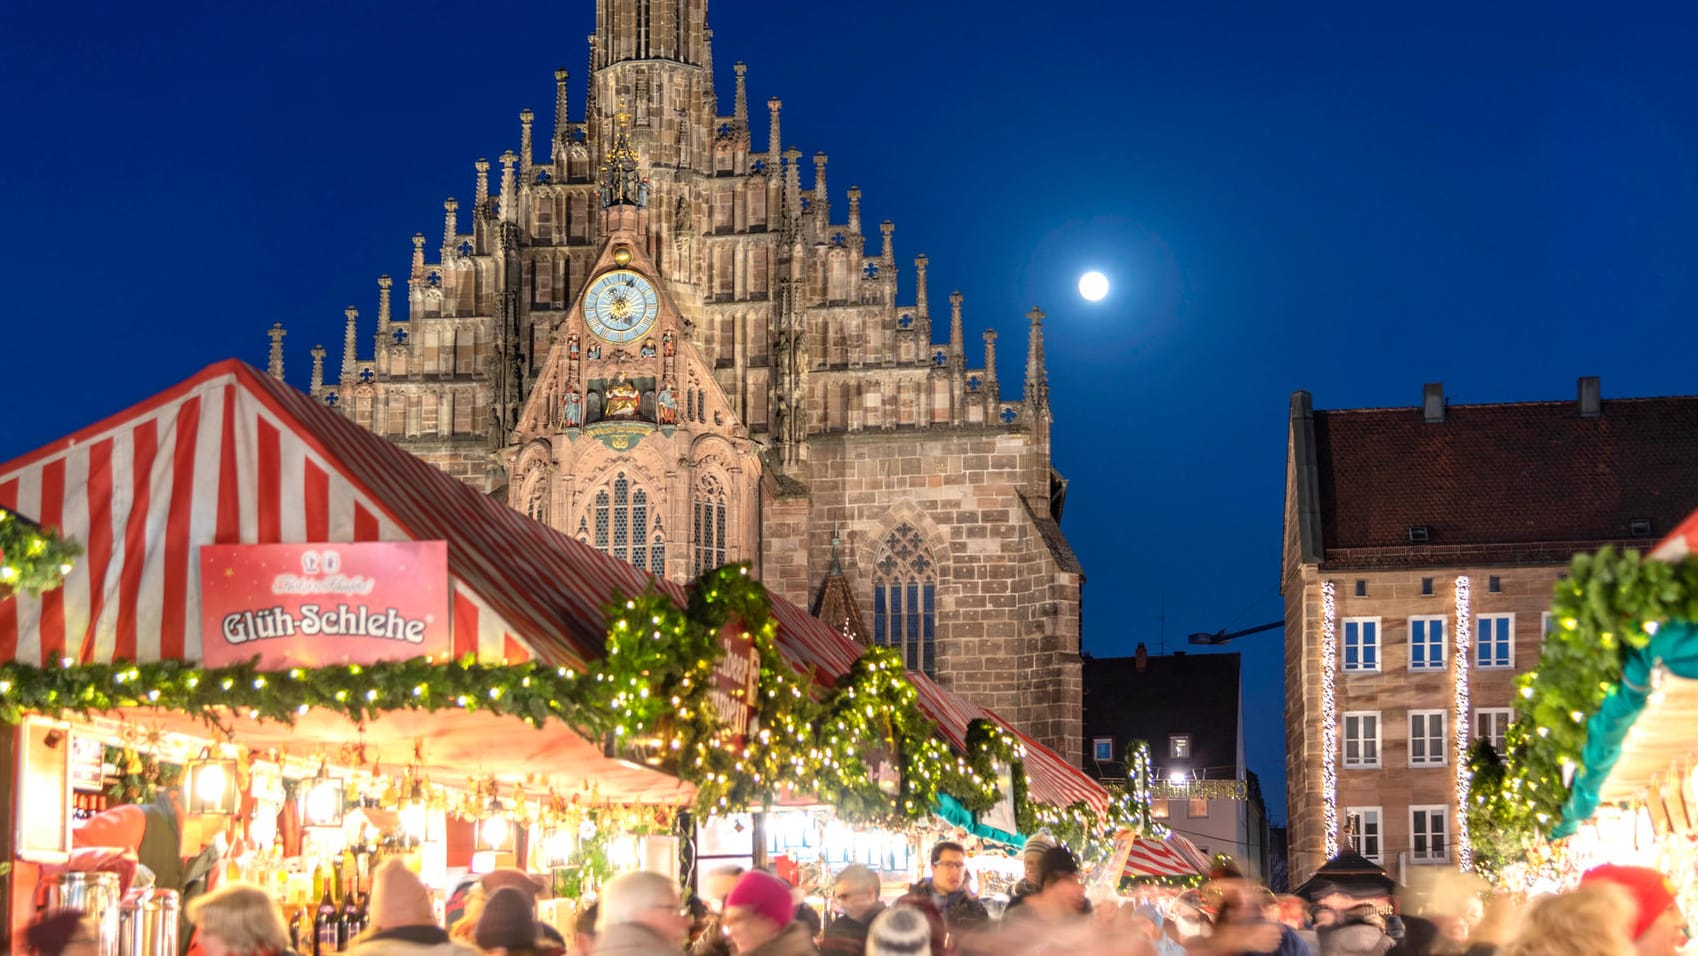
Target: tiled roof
x=1512, y=476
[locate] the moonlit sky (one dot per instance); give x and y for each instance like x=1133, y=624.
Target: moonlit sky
x=1348, y=198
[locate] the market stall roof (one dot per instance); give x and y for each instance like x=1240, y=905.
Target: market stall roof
x=1349, y=873
x=1173, y=855
x=233, y=456
x=1640, y=736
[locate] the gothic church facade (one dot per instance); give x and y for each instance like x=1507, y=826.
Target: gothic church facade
x=650, y=336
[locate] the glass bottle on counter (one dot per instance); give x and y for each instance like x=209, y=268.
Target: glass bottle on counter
x=324, y=926
x=298, y=929
x=347, y=921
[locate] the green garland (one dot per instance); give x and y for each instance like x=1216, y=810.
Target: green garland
x=32, y=558
x=1599, y=610
x=532, y=692
x=650, y=694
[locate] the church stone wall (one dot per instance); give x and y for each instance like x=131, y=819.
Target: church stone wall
x=1008, y=614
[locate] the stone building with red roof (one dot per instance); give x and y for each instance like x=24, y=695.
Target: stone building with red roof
x=1420, y=549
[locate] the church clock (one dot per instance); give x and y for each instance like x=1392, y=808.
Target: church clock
x=621, y=306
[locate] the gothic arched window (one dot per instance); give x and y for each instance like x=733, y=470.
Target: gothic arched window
x=625, y=527
x=708, y=524
x=536, y=502
x=905, y=599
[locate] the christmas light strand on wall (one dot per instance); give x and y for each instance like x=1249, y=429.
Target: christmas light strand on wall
x=1329, y=714
x=33, y=559
x=1459, y=728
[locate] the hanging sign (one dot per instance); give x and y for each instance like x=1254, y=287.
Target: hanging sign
x=307, y=605
x=736, y=681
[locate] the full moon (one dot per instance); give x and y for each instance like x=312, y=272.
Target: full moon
x=1093, y=286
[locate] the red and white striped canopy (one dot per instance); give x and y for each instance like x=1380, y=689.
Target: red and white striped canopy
x=1682, y=542
x=232, y=456
x=1174, y=856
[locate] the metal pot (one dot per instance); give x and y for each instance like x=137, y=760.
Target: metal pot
x=95, y=894
x=148, y=926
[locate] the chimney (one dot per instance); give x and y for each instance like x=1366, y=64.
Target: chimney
x=1432, y=402
x=1142, y=657
x=1591, y=401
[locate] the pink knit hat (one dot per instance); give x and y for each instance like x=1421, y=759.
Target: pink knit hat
x=764, y=893
x=398, y=898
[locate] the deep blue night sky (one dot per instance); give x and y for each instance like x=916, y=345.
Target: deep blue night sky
x=1352, y=199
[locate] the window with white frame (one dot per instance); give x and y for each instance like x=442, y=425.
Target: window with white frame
x=1102, y=749
x=1490, y=724
x=1362, y=738
x=1179, y=746
x=1494, y=640
x=1361, y=644
x=1426, y=738
x=1544, y=623
x=1426, y=643
x=1364, y=823
x=1428, y=834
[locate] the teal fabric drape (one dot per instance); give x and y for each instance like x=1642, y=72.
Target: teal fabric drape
x=1675, y=645
x=951, y=810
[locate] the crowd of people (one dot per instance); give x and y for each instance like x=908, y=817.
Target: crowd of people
x=1614, y=911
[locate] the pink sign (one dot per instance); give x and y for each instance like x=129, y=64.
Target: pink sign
x=294, y=605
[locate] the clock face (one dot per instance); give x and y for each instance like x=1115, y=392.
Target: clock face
x=620, y=306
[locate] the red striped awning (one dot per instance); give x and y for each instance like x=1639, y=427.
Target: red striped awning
x=232, y=456
x=1682, y=542
x=1173, y=856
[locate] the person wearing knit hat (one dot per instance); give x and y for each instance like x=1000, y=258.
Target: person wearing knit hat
x=760, y=918
x=1061, y=891
x=1031, y=855
x=900, y=931
x=508, y=924
x=403, y=922
x=1658, y=926
x=63, y=933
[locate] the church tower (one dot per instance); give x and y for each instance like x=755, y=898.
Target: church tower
x=681, y=351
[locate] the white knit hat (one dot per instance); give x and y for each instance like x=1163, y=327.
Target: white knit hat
x=1037, y=843
x=899, y=931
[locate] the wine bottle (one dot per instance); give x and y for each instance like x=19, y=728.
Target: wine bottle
x=298, y=929
x=362, y=914
x=317, y=880
x=347, y=922
x=324, y=926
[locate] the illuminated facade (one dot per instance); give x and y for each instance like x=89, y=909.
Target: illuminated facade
x=1421, y=547
x=643, y=331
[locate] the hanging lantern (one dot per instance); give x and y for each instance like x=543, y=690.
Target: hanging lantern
x=209, y=785
x=321, y=805
x=495, y=831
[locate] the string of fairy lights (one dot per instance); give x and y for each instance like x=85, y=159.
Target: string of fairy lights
x=652, y=695
x=1329, y=714
x=1460, y=729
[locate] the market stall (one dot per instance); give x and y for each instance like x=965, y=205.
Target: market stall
x=1600, y=766
x=456, y=656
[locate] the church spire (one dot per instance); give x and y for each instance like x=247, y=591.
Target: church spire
x=480, y=196
x=920, y=307
x=384, y=284
x=991, y=390
x=740, y=106
x=526, y=118
x=418, y=255
x=854, y=210
x=509, y=197
x=957, y=342
x=350, y=343
x=774, y=145
x=274, y=367
x=450, y=226
x=317, y=381
x=1037, y=377
x=822, y=197
x=621, y=183
x=562, y=112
